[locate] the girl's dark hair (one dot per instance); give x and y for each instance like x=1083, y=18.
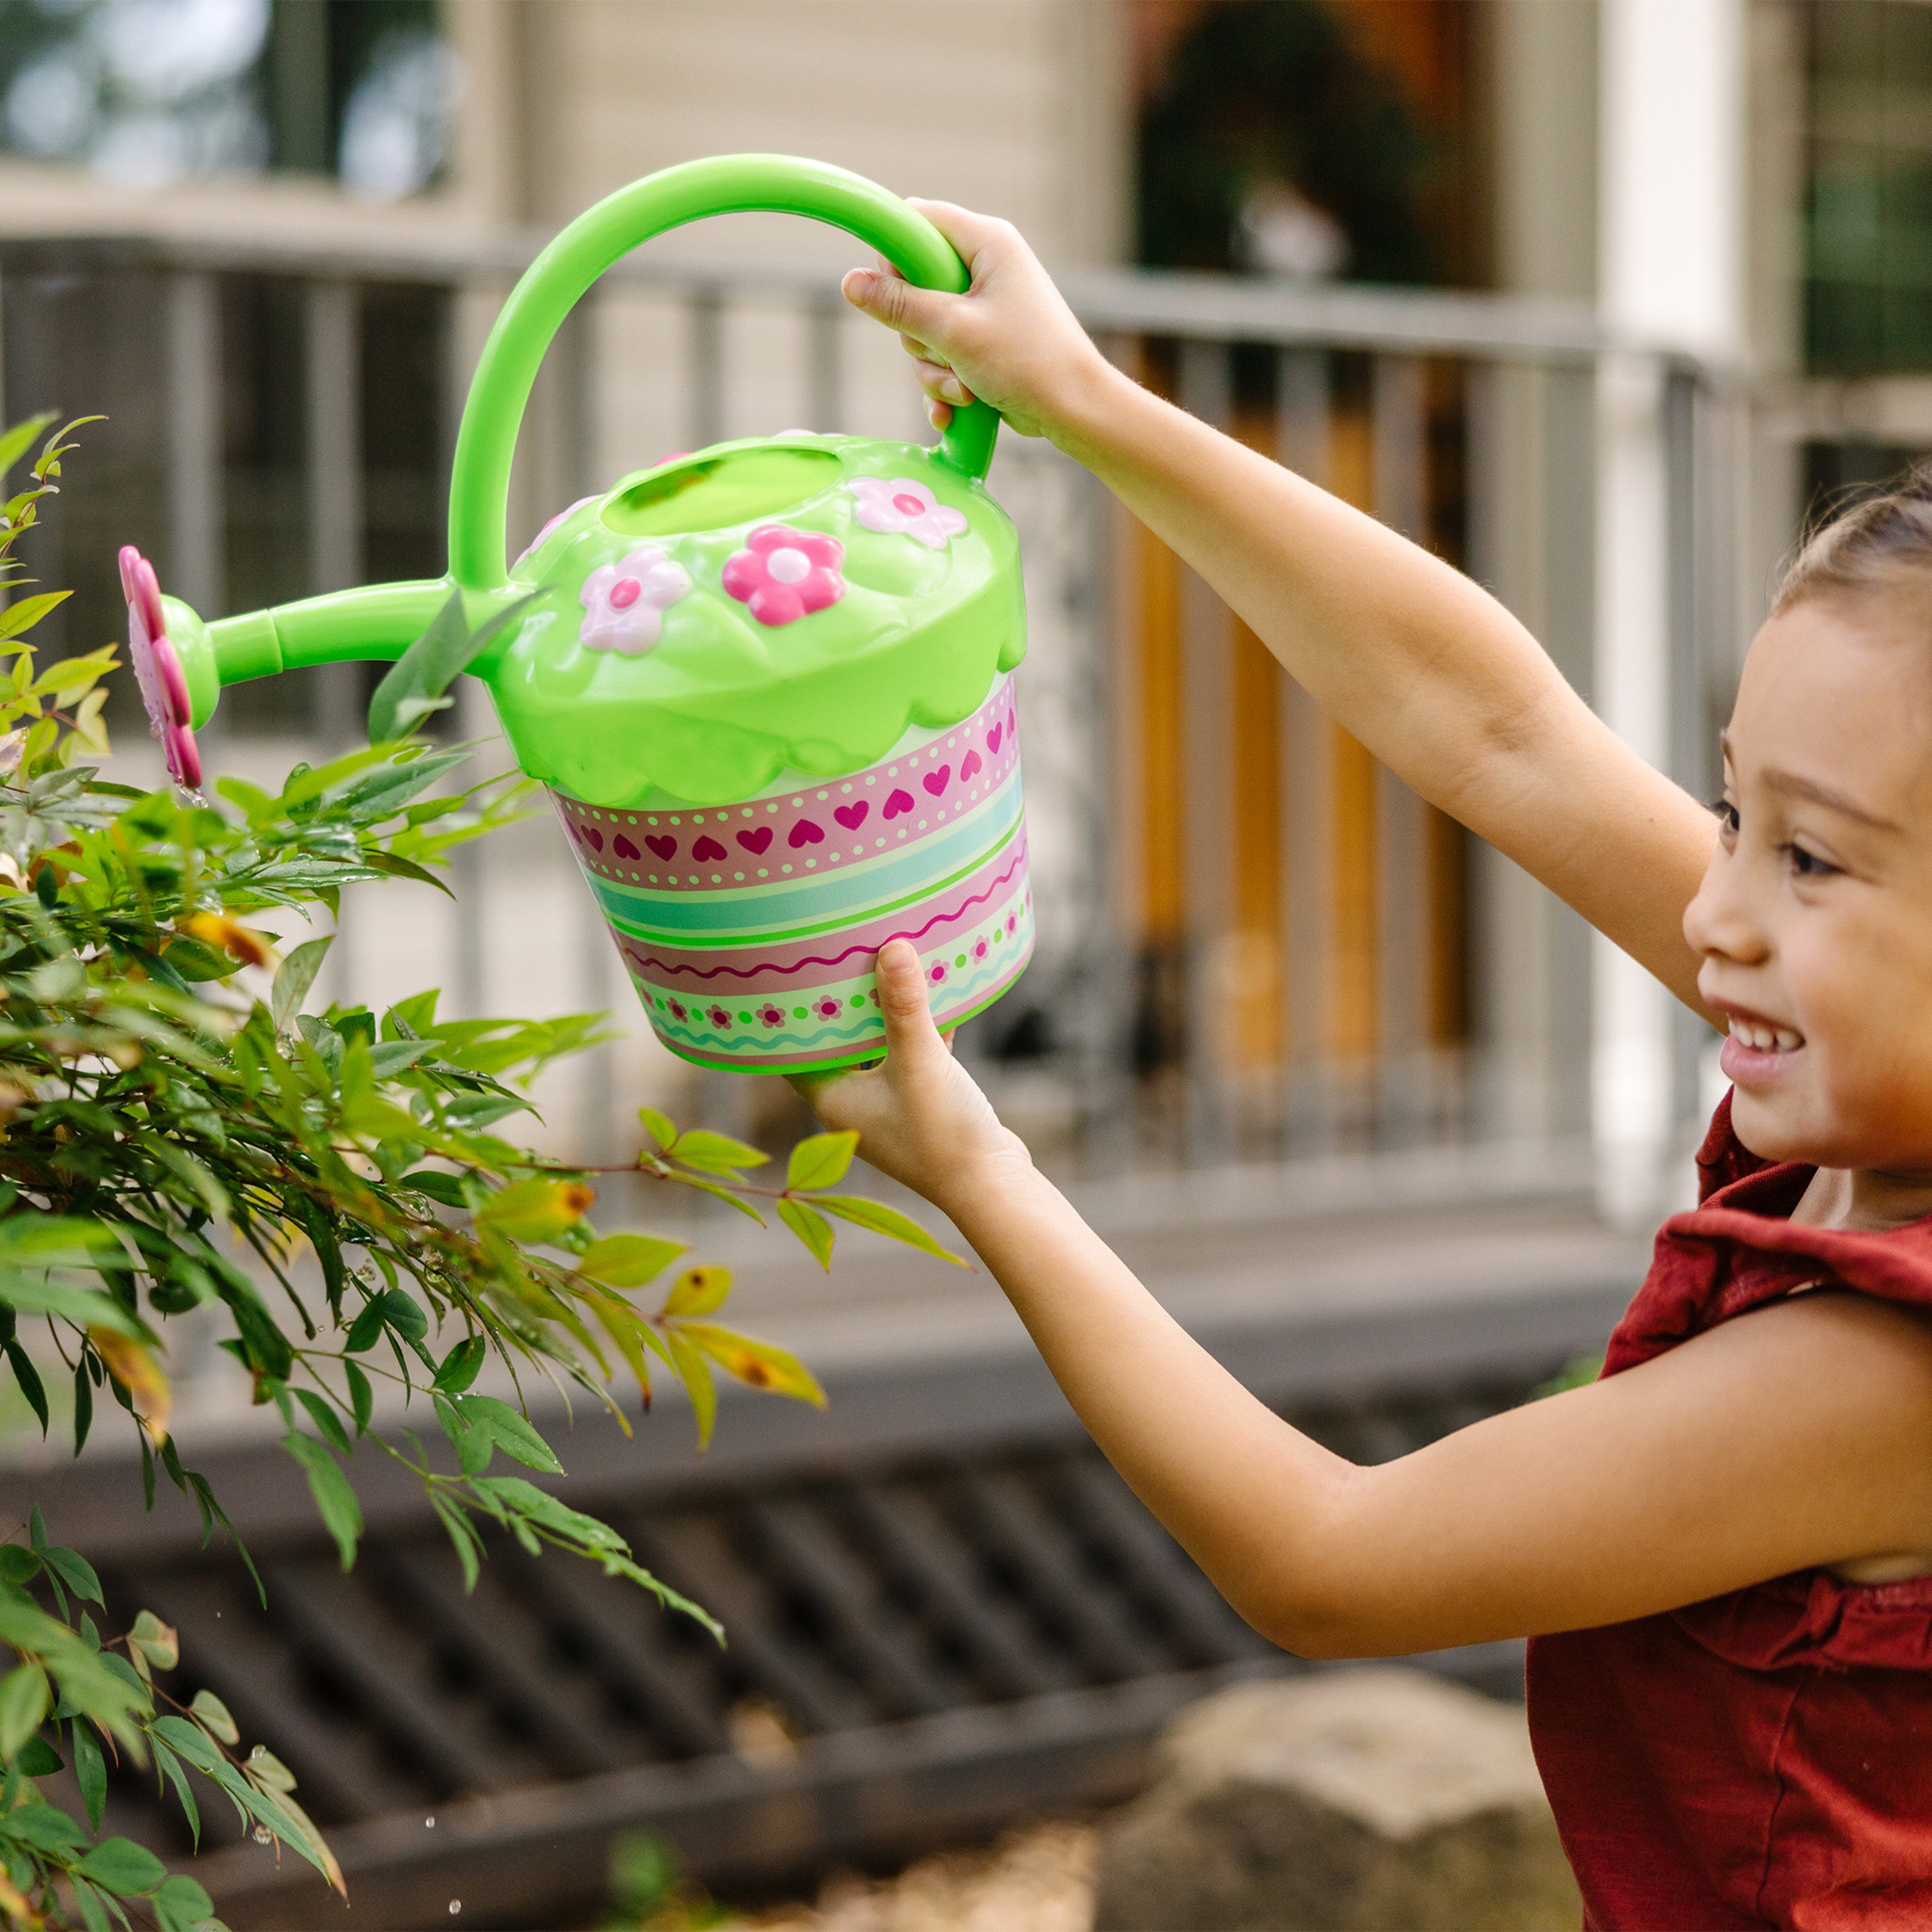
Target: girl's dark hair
x=1878, y=543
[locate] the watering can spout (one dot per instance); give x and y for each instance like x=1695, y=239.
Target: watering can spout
x=373, y=623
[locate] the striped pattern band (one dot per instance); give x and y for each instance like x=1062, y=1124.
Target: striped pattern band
x=750, y=928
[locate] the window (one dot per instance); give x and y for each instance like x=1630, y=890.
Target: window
x=1868, y=306
x=151, y=92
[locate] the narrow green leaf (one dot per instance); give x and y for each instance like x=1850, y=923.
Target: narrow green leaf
x=25, y=1700
x=120, y=1865
x=628, y=1261
x=511, y=1431
x=875, y=1215
x=324, y=1418
x=366, y=1330
x=37, y=1759
x=821, y=1161
x=22, y=437
x=341, y=1512
x=83, y=1404
x=433, y=662
x=695, y=1372
x=361, y=1395
x=660, y=1130
x=93, y=1912
x=171, y=1769
x=462, y=1533
x=184, y=1901
x=90, y=1769
x=75, y=1571
x=461, y=1366
x=212, y=1715
x=28, y=1376
x=811, y=1227
x=29, y=612
x=714, y=1152
x=293, y=978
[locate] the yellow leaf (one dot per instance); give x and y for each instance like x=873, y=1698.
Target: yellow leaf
x=699, y=1290
x=213, y=929
x=536, y=1209
x=695, y=1373
x=758, y=1363
x=130, y=1364
x=15, y=1906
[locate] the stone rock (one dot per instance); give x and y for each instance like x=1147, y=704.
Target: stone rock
x=1376, y=1799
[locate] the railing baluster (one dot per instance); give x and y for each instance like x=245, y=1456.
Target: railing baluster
x=1207, y=390
x=332, y=312
x=824, y=367
x=195, y=566
x=1401, y=858
x=706, y=318
x=1305, y=793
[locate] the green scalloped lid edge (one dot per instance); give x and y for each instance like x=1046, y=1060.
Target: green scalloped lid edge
x=721, y=704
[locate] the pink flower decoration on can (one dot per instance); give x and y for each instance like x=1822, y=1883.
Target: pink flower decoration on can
x=624, y=603
x=781, y=574
x=826, y=1008
x=901, y=505
x=770, y=1016
x=158, y=670
x=570, y=510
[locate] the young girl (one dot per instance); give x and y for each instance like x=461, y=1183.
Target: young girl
x=1722, y=1550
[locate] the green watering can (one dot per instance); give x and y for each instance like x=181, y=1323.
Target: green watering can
x=768, y=685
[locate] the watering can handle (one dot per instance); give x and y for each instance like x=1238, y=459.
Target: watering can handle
x=552, y=285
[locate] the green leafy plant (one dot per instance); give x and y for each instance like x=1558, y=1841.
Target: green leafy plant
x=340, y=1191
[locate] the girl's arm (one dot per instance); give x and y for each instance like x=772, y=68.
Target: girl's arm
x=1800, y=1435
x=1423, y=667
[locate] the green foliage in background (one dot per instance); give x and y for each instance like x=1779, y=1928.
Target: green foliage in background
x=341, y=1192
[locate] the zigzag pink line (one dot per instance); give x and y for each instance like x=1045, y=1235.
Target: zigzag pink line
x=752, y=972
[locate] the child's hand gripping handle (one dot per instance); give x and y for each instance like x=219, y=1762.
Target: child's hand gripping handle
x=554, y=282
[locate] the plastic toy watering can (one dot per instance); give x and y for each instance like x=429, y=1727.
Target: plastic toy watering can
x=769, y=684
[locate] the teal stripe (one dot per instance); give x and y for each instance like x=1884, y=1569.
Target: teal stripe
x=799, y=906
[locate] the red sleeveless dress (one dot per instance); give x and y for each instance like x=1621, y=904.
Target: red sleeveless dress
x=1765, y=1758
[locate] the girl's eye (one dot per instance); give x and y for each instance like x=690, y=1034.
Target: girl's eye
x=1726, y=815
x=1807, y=865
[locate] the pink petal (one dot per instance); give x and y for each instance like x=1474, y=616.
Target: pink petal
x=823, y=587
x=744, y=574
x=776, y=603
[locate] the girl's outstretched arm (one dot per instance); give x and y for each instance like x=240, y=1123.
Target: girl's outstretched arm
x=1425, y=668
x=1799, y=1435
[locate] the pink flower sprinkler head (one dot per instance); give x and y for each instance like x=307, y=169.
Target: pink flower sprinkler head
x=158, y=670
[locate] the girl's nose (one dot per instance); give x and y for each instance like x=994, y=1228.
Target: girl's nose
x=1719, y=919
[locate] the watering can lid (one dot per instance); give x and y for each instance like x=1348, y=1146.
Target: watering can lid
x=792, y=603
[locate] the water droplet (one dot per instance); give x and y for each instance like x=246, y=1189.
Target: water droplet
x=429, y=1823
x=455, y=1906
x=263, y=1834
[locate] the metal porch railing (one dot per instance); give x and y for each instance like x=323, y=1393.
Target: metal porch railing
x=1256, y=944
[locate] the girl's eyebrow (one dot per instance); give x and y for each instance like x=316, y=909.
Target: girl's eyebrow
x=1793, y=786
x=1790, y=782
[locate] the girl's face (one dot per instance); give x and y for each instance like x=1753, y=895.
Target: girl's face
x=1814, y=920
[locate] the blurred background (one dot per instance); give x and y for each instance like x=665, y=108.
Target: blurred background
x=1597, y=298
